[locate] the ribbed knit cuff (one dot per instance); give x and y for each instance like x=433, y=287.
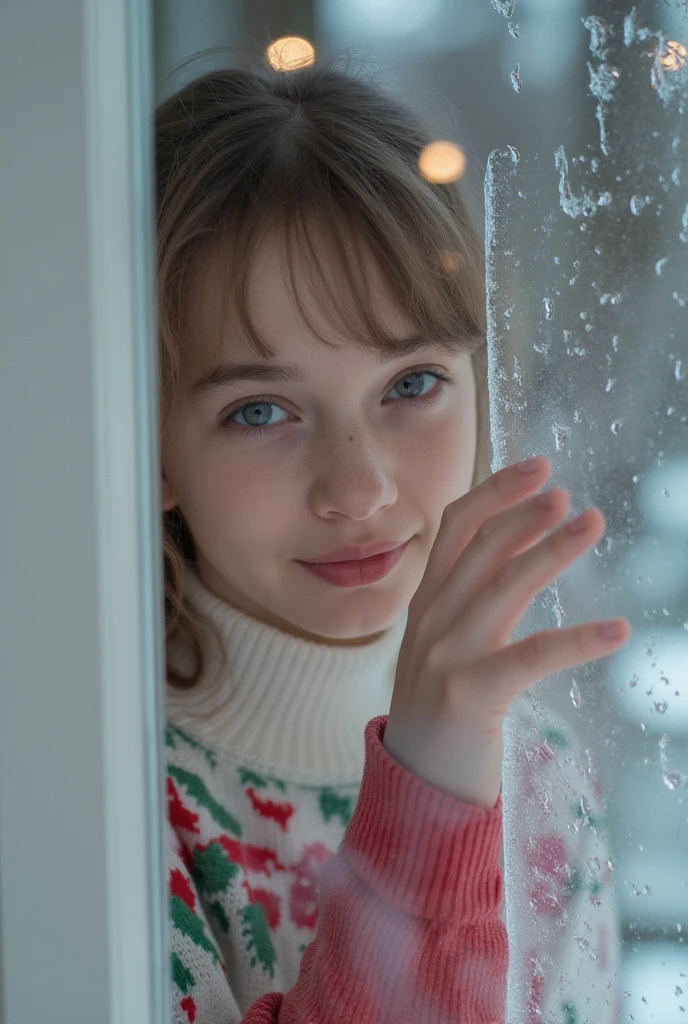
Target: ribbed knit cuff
x=424, y=852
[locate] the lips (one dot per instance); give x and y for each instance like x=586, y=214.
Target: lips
x=349, y=554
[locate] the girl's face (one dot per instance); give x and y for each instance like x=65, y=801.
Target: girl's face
x=346, y=458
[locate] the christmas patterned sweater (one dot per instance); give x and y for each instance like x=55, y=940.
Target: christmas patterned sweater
x=313, y=880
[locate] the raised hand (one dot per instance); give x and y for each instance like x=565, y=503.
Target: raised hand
x=457, y=674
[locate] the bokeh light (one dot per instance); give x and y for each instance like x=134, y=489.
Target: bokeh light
x=674, y=56
x=289, y=53
x=442, y=162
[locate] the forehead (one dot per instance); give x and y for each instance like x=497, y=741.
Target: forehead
x=213, y=329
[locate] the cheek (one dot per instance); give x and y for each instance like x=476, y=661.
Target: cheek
x=444, y=474
x=239, y=507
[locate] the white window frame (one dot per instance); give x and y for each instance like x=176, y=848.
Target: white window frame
x=83, y=894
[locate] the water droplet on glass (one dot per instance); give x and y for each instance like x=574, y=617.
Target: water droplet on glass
x=599, y=35
x=638, y=204
x=676, y=175
x=505, y=7
x=604, y=199
x=513, y=27
x=549, y=308
x=575, y=694
x=515, y=155
x=616, y=426
x=660, y=706
x=516, y=78
x=660, y=265
x=672, y=780
x=679, y=370
x=684, y=223
x=633, y=681
x=561, y=436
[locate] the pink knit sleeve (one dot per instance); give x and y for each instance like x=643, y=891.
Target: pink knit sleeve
x=410, y=926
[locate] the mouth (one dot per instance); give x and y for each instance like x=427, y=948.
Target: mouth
x=356, y=553
x=357, y=572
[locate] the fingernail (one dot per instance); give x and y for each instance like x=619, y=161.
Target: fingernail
x=529, y=465
x=611, y=630
x=578, y=524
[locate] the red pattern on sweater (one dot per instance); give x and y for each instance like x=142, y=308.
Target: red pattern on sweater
x=270, y=809
x=181, y=887
x=269, y=901
x=409, y=927
x=180, y=816
x=250, y=858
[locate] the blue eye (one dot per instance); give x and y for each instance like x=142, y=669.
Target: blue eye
x=266, y=403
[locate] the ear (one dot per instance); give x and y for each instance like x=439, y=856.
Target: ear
x=168, y=500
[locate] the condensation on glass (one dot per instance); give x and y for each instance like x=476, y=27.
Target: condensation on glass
x=587, y=259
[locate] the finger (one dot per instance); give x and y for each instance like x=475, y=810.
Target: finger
x=490, y=619
x=503, y=537
x=462, y=519
x=507, y=673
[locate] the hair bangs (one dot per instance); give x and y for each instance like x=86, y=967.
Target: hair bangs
x=324, y=247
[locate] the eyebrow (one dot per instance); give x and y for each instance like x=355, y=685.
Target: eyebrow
x=233, y=373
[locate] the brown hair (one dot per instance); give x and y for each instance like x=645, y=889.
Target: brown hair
x=242, y=151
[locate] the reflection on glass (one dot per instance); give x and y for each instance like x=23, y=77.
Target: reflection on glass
x=587, y=253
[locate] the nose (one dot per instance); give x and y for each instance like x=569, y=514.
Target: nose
x=354, y=479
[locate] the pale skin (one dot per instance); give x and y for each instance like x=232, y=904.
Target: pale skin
x=347, y=460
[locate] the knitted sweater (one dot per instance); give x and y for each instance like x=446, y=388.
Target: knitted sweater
x=314, y=880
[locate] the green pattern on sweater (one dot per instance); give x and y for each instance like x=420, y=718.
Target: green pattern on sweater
x=248, y=777
x=181, y=975
x=555, y=737
x=256, y=931
x=216, y=911
x=188, y=924
x=196, y=787
x=173, y=731
x=333, y=805
x=213, y=870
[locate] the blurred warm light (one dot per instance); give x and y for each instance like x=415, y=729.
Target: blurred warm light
x=289, y=53
x=674, y=57
x=451, y=261
x=442, y=162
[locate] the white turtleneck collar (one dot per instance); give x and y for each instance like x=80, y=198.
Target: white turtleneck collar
x=284, y=704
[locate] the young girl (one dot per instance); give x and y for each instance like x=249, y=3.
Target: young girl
x=335, y=720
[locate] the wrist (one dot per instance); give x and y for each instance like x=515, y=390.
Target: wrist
x=454, y=759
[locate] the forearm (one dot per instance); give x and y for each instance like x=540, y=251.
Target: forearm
x=409, y=926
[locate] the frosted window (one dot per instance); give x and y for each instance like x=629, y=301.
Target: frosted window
x=587, y=255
